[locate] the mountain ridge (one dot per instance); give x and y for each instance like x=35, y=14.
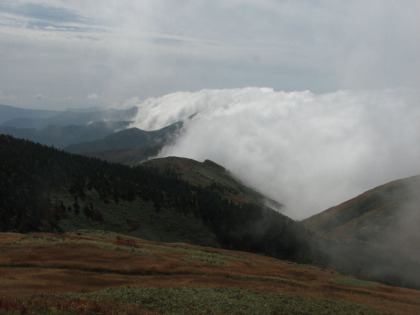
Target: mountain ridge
x=131, y=138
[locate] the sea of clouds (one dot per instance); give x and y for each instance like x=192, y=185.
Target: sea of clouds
x=307, y=151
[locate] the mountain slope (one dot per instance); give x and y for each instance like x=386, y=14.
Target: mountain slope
x=375, y=235
x=93, y=272
x=44, y=189
x=211, y=174
x=388, y=215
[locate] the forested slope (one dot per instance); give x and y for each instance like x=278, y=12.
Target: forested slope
x=43, y=189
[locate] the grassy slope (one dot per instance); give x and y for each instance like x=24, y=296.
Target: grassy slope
x=100, y=272
x=387, y=215
x=375, y=235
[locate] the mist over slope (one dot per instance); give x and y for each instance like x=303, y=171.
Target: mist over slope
x=311, y=151
x=387, y=215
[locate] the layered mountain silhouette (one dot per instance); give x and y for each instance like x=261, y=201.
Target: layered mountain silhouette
x=10, y=112
x=28, y=119
x=63, y=136
x=100, y=133
x=129, y=146
x=63, y=128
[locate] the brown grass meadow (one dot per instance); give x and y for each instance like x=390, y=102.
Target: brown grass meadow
x=106, y=273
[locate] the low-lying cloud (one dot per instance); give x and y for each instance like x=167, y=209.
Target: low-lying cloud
x=308, y=151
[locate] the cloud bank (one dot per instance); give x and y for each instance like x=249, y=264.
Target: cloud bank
x=308, y=151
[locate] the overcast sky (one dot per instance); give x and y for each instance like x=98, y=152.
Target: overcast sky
x=78, y=53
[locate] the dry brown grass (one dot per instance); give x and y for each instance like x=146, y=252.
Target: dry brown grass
x=41, y=263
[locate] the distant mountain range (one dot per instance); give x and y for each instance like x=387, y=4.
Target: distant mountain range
x=100, y=133
x=28, y=119
x=10, y=112
x=63, y=136
x=132, y=138
x=373, y=236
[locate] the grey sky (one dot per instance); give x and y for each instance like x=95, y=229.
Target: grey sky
x=60, y=54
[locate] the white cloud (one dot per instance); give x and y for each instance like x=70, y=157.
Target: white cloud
x=7, y=98
x=309, y=151
x=39, y=97
x=92, y=96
